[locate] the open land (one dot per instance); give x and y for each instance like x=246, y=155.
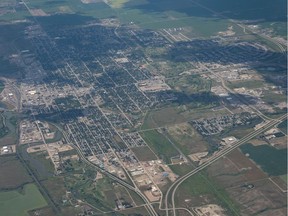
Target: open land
x=109, y=104
x=19, y=202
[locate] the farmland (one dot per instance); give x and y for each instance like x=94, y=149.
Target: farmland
x=162, y=117
x=249, y=186
x=160, y=145
x=144, y=153
x=1, y=86
x=201, y=190
x=277, y=163
x=143, y=91
x=283, y=127
x=13, y=174
x=187, y=138
x=19, y=202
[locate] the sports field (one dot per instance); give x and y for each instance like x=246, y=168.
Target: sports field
x=19, y=202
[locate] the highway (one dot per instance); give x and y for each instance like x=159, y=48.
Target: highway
x=282, y=47
x=213, y=159
x=148, y=205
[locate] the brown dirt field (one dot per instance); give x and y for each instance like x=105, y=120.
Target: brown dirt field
x=139, y=210
x=257, y=142
x=262, y=197
x=226, y=173
x=7, y=140
x=144, y=153
x=272, y=192
x=164, y=117
x=13, y=174
x=185, y=135
x=43, y=212
x=251, y=201
x=185, y=199
x=241, y=161
x=278, y=212
x=280, y=182
x=183, y=213
x=231, y=172
x=279, y=142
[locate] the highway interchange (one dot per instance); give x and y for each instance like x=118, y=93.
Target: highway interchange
x=169, y=198
x=173, y=188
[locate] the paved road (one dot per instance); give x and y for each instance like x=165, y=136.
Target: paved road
x=221, y=154
x=148, y=205
x=282, y=47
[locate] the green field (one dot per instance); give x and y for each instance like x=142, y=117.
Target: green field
x=1, y=86
x=8, y=128
x=181, y=169
x=190, y=84
x=13, y=174
x=284, y=177
x=3, y=128
x=199, y=186
x=162, y=117
x=283, y=126
x=160, y=145
x=249, y=84
x=245, y=9
x=273, y=161
x=187, y=138
x=146, y=14
x=19, y=202
x=143, y=153
x=95, y=10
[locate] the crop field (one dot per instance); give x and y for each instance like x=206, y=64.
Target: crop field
x=283, y=126
x=19, y=202
x=96, y=10
x=170, y=14
x=273, y=161
x=13, y=174
x=181, y=169
x=19, y=15
x=284, y=177
x=265, y=198
x=144, y=153
x=163, y=117
x=187, y=138
x=234, y=172
x=256, y=10
x=160, y=145
x=201, y=190
x=40, y=165
x=11, y=36
x=246, y=167
x=1, y=86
